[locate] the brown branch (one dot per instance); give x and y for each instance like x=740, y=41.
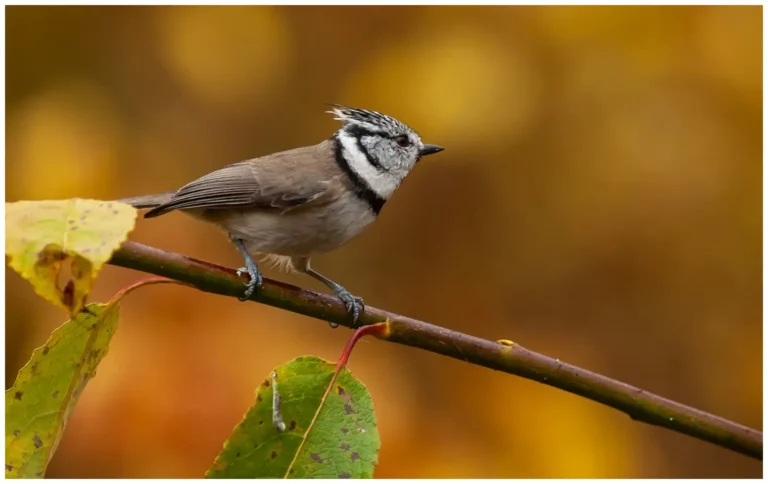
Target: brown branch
x=515, y=359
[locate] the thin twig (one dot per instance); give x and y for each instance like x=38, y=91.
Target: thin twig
x=509, y=358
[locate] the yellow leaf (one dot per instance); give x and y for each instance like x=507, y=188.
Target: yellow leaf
x=41, y=237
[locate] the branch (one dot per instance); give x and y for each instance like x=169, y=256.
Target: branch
x=511, y=358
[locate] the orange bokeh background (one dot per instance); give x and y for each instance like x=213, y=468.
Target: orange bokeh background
x=599, y=201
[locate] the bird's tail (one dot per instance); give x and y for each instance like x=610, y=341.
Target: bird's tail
x=148, y=201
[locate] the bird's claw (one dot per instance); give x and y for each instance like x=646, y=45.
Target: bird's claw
x=353, y=304
x=251, y=285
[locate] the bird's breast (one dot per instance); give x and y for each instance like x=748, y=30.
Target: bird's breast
x=301, y=231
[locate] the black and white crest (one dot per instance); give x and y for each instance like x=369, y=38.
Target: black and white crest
x=371, y=121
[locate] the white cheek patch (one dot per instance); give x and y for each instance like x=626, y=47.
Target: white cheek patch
x=382, y=183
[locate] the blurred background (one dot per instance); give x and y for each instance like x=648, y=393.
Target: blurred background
x=599, y=201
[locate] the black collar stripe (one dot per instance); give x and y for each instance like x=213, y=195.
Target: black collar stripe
x=360, y=187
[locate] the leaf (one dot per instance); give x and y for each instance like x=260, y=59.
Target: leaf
x=46, y=389
x=41, y=236
x=330, y=428
x=38, y=405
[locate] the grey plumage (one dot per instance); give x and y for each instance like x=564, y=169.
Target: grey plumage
x=278, y=181
x=148, y=201
x=304, y=201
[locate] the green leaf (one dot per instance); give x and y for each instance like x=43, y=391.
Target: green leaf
x=46, y=389
x=41, y=236
x=330, y=429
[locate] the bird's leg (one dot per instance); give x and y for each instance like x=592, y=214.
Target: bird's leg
x=353, y=304
x=250, y=268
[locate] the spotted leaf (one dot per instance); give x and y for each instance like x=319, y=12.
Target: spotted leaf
x=43, y=238
x=46, y=389
x=329, y=427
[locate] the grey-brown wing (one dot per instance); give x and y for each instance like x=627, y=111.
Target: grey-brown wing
x=280, y=181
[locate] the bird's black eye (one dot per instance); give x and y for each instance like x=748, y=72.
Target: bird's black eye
x=403, y=141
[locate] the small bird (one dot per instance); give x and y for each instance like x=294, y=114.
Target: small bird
x=291, y=205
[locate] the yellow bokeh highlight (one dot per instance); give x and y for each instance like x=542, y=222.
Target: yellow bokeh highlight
x=231, y=57
x=565, y=436
x=63, y=143
x=728, y=49
x=457, y=85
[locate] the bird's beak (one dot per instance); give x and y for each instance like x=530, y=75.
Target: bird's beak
x=430, y=150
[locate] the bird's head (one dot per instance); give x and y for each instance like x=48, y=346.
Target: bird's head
x=381, y=149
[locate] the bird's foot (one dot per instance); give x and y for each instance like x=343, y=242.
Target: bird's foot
x=251, y=285
x=353, y=304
